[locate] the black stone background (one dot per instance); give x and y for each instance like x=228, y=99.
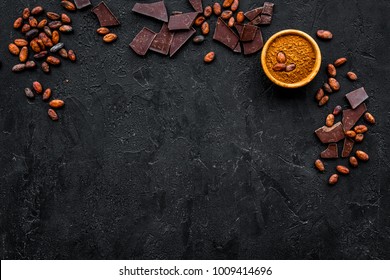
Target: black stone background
x=158, y=158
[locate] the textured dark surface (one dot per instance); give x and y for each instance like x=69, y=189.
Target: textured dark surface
x=170, y=158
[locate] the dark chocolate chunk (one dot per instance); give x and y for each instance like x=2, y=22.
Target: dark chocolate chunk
x=262, y=20
x=331, y=134
x=104, y=15
x=331, y=151
x=347, y=148
x=82, y=3
x=197, y=5
x=255, y=45
x=225, y=35
x=182, y=21
x=356, y=97
x=142, y=41
x=249, y=33
x=155, y=10
x=351, y=116
x=162, y=41
x=179, y=39
x=252, y=14
x=268, y=8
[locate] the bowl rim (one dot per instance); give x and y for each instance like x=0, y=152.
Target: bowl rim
x=316, y=67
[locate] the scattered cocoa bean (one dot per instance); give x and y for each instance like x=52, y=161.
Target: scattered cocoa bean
x=47, y=31
x=45, y=67
x=37, y=10
x=41, y=44
x=63, y=53
x=32, y=34
x=323, y=100
x=72, y=55
x=53, y=16
x=240, y=17
x=352, y=76
x=25, y=28
x=66, y=19
x=353, y=161
x=324, y=34
x=350, y=134
x=110, y=37
x=37, y=86
x=33, y=22
x=360, y=129
x=30, y=64
x=235, y=5
x=209, y=57
x=290, y=67
x=46, y=94
x=26, y=13
x=57, y=47
x=337, y=110
x=40, y=55
x=359, y=138
x=13, y=49
x=333, y=179
x=68, y=5
x=66, y=28
x=231, y=22
x=329, y=120
x=42, y=23
x=369, y=118
x=327, y=88
x=34, y=46
x=23, y=55
x=342, y=169
x=19, y=67
x=319, y=94
x=55, y=38
x=279, y=67
x=198, y=39
x=319, y=165
x=281, y=57
x=199, y=20
x=217, y=9
x=227, y=3
x=21, y=42
x=340, y=61
x=57, y=103
x=226, y=14
x=18, y=23
x=29, y=93
x=45, y=39
x=55, y=24
x=53, y=60
x=52, y=114
x=205, y=28
x=334, y=84
x=207, y=11
x=331, y=70
x=362, y=155
x=103, y=30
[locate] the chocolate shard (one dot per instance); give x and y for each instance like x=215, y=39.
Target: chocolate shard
x=255, y=45
x=155, y=10
x=82, y=3
x=252, y=14
x=262, y=20
x=237, y=49
x=182, y=21
x=197, y=5
x=268, y=8
x=331, y=134
x=225, y=35
x=142, y=41
x=356, y=97
x=331, y=152
x=347, y=148
x=351, y=116
x=104, y=15
x=179, y=39
x=248, y=33
x=163, y=40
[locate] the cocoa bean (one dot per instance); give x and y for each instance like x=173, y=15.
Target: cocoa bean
x=319, y=94
x=352, y=76
x=45, y=67
x=18, y=23
x=226, y=14
x=40, y=55
x=33, y=22
x=362, y=155
x=353, y=161
x=350, y=134
x=319, y=165
x=110, y=37
x=231, y=22
x=207, y=11
x=57, y=103
x=360, y=129
x=53, y=16
x=66, y=28
x=21, y=42
x=26, y=13
x=72, y=55
x=45, y=39
x=369, y=118
x=290, y=67
x=25, y=28
x=23, y=55
x=324, y=34
x=279, y=67
x=342, y=169
x=42, y=23
x=68, y=5
x=209, y=57
x=198, y=39
x=234, y=5
x=334, y=84
x=55, y=38
x=240, y=17
x=103, y=30
x=327, y=88
x=331, y=70
x=53, y=60
x=205, y=28
x=281, y=57
x=199, y=20
x=29, y=93
x=66, y=19
x=34, y=46
x=333, y=179
x=46, y=94
x=37, y=10
x=37, y=86
x=30, y=64
x=52, y=114
x=359, y=138
x=19, y=67
x=32, y=34
x=57, y=47
x=55, y=24
x=329, y=120
x=47, y=31
x=13, y=49
x=337, y=110
x=217, y=9
x=340, y=61
x=63, y=53
x=227, y=3
x=323, y=100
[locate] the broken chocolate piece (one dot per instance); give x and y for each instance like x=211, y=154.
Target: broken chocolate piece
x=262, y=20
x=104, y=15
x=82, y=3
x=351, y=116
x=182, y=21
x=162, y=41
x=142, y=41
x=356, y=97
x=237, y=49
x=331, y=151
x=225, y=35
x=249, y=33
x=252, y=14
x=255, y=45
x=331, y=134
x=179, y=39
x=155, y=10
x=347, y=148
x=197, y=5
x=268, y=8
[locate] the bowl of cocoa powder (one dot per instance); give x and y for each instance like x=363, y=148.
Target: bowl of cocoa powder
x=291, y=58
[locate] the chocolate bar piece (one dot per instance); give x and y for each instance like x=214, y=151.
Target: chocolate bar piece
x=255, y=45
x=351, y=116
x=225, y=35
x=268, y=8
x=197, y=5
x=82, y=3
x=246, y=32
x=104, y=15
x=182, y=21
x=155, y=10
x=331, y=151
x=331, y=134
x=252, y=14
x=163, y=40
x=262, y=20
x=179, y=39
x=356, y=97
x=347, y=148
x=142, y=41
